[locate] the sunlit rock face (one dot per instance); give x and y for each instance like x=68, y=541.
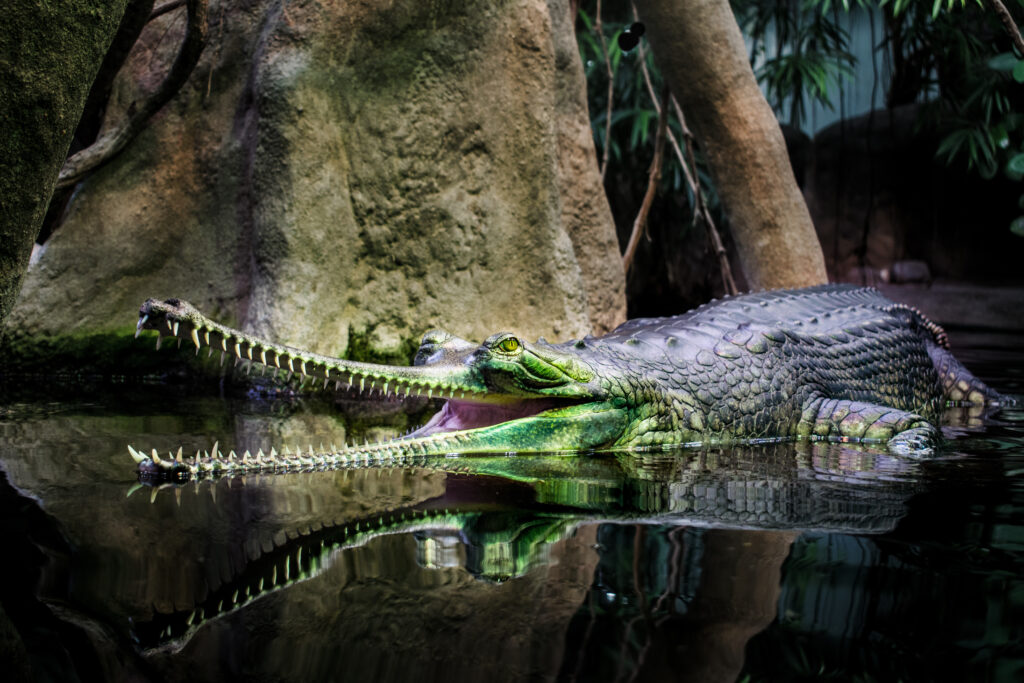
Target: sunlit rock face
x=343, y=176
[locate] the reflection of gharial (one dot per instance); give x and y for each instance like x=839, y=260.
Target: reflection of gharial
x=769, y=487
x=834, y=361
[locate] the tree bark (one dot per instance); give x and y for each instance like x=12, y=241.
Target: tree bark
x=50, y=53
x=701, y=53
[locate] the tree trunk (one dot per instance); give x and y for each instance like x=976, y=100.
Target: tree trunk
x=701, y=52
x=49, y=55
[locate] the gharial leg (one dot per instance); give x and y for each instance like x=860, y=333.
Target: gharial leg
x=903, y=432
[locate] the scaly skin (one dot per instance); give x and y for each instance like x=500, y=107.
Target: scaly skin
x=832, y=362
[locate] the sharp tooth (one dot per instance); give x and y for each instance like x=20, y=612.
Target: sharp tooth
x=206, y=337
x=290, y=368
x=248, y=352
x=223, y=343
x=214, y=455
x=178, y=458
x=238, y=349
x=195, y=339
x=139, y=458
x=156, y=458
x=430, y=392
x=152, y=496
x=177, y=496
x=362, y=380
x=277, y=361
x=263, y=356
x=175, y=328
x=139, y=325
x=158, y=338
x=170, y=325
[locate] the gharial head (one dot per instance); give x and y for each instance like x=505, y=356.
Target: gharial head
x=504, y=395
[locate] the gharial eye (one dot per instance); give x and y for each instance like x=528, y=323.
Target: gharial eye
x=509, y=345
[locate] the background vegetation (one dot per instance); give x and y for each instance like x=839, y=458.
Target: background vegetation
x=954, y=58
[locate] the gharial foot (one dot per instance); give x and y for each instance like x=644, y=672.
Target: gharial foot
x=916, y=442
x=905, y=433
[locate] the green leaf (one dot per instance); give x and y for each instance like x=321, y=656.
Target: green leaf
x=1017, y=226
x=1006, y=61
x=1016, y=164
x=1018, y=71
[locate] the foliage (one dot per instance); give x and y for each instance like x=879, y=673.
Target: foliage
x=808, y=55
x=952, y=55
x=634, y=114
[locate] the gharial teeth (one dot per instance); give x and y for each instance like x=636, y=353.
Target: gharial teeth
x=138, y=457
x=195, y=339
x=140, y=325
x=174, y=329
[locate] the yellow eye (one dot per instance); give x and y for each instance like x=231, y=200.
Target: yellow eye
x=509, y=345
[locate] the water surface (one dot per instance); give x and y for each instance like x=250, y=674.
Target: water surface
x=758, y=563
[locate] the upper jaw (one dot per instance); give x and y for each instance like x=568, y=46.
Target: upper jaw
x=181, y=320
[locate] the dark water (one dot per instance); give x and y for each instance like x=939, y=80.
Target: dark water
x=784, y=562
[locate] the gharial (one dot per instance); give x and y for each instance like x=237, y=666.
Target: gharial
x=832, y=362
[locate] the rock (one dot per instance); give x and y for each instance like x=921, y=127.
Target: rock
x=332, y=168
x=910, y=271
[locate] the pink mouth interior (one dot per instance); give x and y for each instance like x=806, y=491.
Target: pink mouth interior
x=459, y=415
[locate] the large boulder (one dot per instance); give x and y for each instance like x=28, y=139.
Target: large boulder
x=341, y=177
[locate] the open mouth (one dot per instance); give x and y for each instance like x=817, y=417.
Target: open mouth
x=458, y=415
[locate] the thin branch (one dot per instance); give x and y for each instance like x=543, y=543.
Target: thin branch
x=599, y=29
x=80, y=164
x=640, y=224
x=700, y=209
x=728, y=281
x=1009, y=25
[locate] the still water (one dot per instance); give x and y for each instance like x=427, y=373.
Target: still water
x=782, y=562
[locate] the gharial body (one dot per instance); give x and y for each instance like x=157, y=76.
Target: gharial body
x=833, y=361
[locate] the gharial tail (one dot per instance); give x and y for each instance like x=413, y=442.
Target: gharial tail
x=960, y=385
